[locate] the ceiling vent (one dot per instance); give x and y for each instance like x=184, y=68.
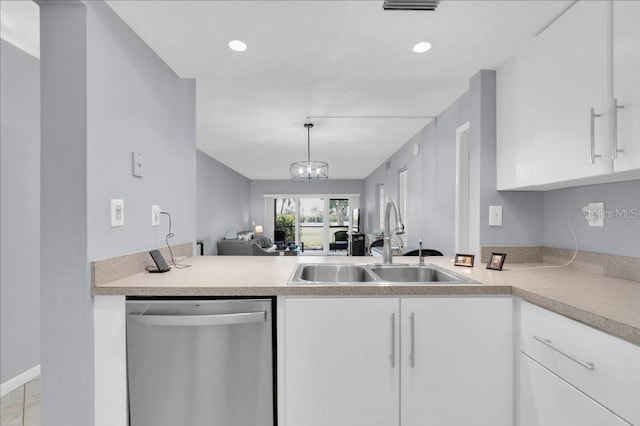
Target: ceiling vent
x=410, y=4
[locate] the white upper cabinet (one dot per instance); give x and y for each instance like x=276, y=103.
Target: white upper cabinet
x=555, y=101
x=626, y=84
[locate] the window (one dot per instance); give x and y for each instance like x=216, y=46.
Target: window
x=312, y=222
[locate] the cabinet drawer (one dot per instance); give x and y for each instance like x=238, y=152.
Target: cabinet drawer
x=602, y=366
x=546, y=400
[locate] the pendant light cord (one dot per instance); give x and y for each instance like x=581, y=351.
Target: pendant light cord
x=308, y=126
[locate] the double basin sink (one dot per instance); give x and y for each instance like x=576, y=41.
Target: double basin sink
x=333, y=274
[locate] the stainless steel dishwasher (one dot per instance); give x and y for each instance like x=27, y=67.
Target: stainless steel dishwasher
x=200, y=362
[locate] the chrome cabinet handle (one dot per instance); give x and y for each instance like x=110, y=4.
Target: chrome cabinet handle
x=593, y=157
x=412, y=354
x=547, y=342
x=614, y=128
x=197, y=320
x=393, y=341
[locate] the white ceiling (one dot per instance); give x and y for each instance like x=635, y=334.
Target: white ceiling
x=326, y=58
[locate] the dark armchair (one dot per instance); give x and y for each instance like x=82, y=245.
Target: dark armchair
x=279, y=239
x=339, y=241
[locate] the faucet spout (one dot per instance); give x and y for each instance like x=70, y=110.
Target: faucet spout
x=399, y=229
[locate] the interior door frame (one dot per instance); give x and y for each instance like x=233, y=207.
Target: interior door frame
x=462, y=223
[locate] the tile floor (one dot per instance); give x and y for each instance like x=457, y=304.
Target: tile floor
x=22, y=406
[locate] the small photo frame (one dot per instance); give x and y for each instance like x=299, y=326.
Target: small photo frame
x=464, y=260
x=496, y=261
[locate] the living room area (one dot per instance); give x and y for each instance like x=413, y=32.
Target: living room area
x=240, y=216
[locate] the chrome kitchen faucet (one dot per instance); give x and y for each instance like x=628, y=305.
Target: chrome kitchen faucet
x=386, y=248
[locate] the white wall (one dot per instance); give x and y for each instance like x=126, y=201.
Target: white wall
x=20, y=215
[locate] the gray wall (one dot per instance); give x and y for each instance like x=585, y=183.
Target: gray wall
x=136, y=103
x=522, y=212
x=621, y=232
x=431, y=181
x=223, y=201
x=431, y=210
x=261, y=187
x=104, y=95
x=20, y=211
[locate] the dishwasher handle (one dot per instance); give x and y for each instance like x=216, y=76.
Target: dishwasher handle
x=197, y=320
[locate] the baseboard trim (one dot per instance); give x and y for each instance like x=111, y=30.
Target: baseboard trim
x=20, y=380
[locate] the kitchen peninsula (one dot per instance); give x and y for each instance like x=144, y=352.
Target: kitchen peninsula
x=604, y=303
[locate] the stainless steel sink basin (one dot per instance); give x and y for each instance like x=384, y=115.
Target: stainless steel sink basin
x=325, y=273
x=416, y=274
x=332, y=274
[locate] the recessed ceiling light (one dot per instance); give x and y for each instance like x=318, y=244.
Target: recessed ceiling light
x=422, y=47
x=237, y=46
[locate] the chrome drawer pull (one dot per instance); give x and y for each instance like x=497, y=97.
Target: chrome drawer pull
x=546, y=342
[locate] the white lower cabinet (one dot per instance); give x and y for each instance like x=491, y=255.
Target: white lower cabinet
x=547, y=400
x=572, y=374
x=462, y=367
x=339, y=369
x=342, y=361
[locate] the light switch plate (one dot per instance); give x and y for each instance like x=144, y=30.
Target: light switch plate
x=155, y=215
x=137, y=163
x=117, y=212
x=495, y=215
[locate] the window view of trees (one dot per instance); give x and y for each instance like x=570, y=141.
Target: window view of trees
x=286, y=218
x=339, y=212
x=311, y=219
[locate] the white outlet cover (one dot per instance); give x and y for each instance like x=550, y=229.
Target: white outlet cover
x=117, y=212
x=155, y=215
x=594, y=214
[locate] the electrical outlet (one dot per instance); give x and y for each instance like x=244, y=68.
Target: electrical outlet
x=155, y=215
x=594, y=214
x=117, y=212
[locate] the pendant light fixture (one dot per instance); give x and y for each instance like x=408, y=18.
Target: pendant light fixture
x=305, y=171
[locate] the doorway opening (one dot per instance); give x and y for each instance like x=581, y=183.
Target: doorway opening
x=462, y=224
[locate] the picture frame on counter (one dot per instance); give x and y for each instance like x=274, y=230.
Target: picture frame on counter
x=496, y=261
x=464, y=260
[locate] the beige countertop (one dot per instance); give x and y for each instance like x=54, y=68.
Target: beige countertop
x=609, y=304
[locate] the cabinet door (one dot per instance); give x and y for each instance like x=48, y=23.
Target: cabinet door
x=626, y=83
x=569, y=78
x=462, y=367
x=341, y=362
x=547, y=400
x=515, y=148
